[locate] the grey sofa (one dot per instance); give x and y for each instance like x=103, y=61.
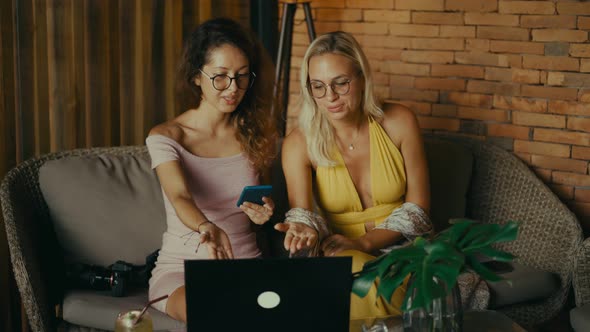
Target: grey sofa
x=102, y=204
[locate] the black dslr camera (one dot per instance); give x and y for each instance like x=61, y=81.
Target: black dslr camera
x=119, y=278
x=116, y=278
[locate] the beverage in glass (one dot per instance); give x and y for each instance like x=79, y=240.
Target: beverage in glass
x=125, y=321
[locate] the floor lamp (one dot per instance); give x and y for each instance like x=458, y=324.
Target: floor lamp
x=284, y=53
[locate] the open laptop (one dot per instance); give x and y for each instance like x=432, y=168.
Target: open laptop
x=277, y=294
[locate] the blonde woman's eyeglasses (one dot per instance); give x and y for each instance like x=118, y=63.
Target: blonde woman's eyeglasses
x=319, y=89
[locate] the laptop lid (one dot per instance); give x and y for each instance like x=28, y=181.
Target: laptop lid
x=277, y=294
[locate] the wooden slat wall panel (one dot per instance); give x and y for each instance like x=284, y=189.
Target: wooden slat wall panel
x=7, y=88
x=204, y=10
x=65, y=109
x=172, y=50
x=114, y=72
x=127, y=77
x=142, y=52
x=94, y=72
x=83, y=73
x=25, y=83
x=190, y=18
x=77, y=58
x=97, y=60
x=157, y=80
x=9, y=307
x=41, y=93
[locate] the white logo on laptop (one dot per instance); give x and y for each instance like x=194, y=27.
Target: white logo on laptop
x=269, y=299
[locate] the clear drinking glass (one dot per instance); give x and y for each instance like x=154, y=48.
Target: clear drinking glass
x=124, y=322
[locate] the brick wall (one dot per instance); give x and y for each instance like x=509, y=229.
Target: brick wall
x=515, y=73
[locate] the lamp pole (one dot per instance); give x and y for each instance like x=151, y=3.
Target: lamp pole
x=283, y=63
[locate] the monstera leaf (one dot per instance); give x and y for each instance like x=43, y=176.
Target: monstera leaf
x=440, y=259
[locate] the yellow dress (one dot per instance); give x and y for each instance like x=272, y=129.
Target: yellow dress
x=341, y=204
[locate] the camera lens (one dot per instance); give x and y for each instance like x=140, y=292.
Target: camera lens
x=101, y=279
x=85, y=276
x=118, y=285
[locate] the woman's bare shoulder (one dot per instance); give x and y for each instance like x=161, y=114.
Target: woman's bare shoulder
x=399, y=121
x=295, y=139
x=295, y=144
x=171, y=129
x=397, y=114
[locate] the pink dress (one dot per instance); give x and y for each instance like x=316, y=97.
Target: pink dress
x=215, y=185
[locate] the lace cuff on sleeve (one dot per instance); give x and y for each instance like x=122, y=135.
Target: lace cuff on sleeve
x=409, y=219
x=310, y=219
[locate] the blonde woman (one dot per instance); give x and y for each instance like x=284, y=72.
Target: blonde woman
x=366, y=166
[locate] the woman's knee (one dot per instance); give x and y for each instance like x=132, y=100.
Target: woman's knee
x=176, y=305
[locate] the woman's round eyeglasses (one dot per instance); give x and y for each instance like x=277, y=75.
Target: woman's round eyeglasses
x=223, y=81
x=319, y=89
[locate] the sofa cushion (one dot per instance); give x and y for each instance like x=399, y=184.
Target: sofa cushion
x=104, y=308
x=450, y=166
x=580, y=318
x=523, y=284
x=104, y=208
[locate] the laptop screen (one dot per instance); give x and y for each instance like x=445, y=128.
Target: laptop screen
x=278, y=294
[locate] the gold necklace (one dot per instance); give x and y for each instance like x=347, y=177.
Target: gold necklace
x=358, y=131
x=351, y=145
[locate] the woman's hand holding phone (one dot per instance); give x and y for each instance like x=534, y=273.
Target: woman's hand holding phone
x=259, y=214
x=216, y=240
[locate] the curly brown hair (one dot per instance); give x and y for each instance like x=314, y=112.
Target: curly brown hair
x=256, y=126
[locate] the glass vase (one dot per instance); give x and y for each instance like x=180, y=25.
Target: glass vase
x=386, y=324
x=444, y=314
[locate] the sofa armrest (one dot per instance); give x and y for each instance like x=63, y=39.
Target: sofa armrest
x=32, y=246
x=581, y=278
x=503, y=188
x=36, y=255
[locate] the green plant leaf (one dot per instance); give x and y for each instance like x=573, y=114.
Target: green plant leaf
x=425, y=289
x=363, y=282
x=442, y=251
x=479, y=235
x=485, y=235
x=495, y=254
x=455, y=232
x=411, y=301
x=387, y=286
x=455, y=221
x=483, y=271
x=448, y=274
x=508, y=232
x=400, y=255
x=436, y=263
x=393, y=256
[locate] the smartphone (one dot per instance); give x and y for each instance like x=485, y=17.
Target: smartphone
x=254, y=194
x=499, y=267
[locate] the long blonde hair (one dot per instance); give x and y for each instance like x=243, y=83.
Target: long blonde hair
x=315, y=125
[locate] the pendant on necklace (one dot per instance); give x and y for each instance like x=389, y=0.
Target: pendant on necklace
x=351, y=147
